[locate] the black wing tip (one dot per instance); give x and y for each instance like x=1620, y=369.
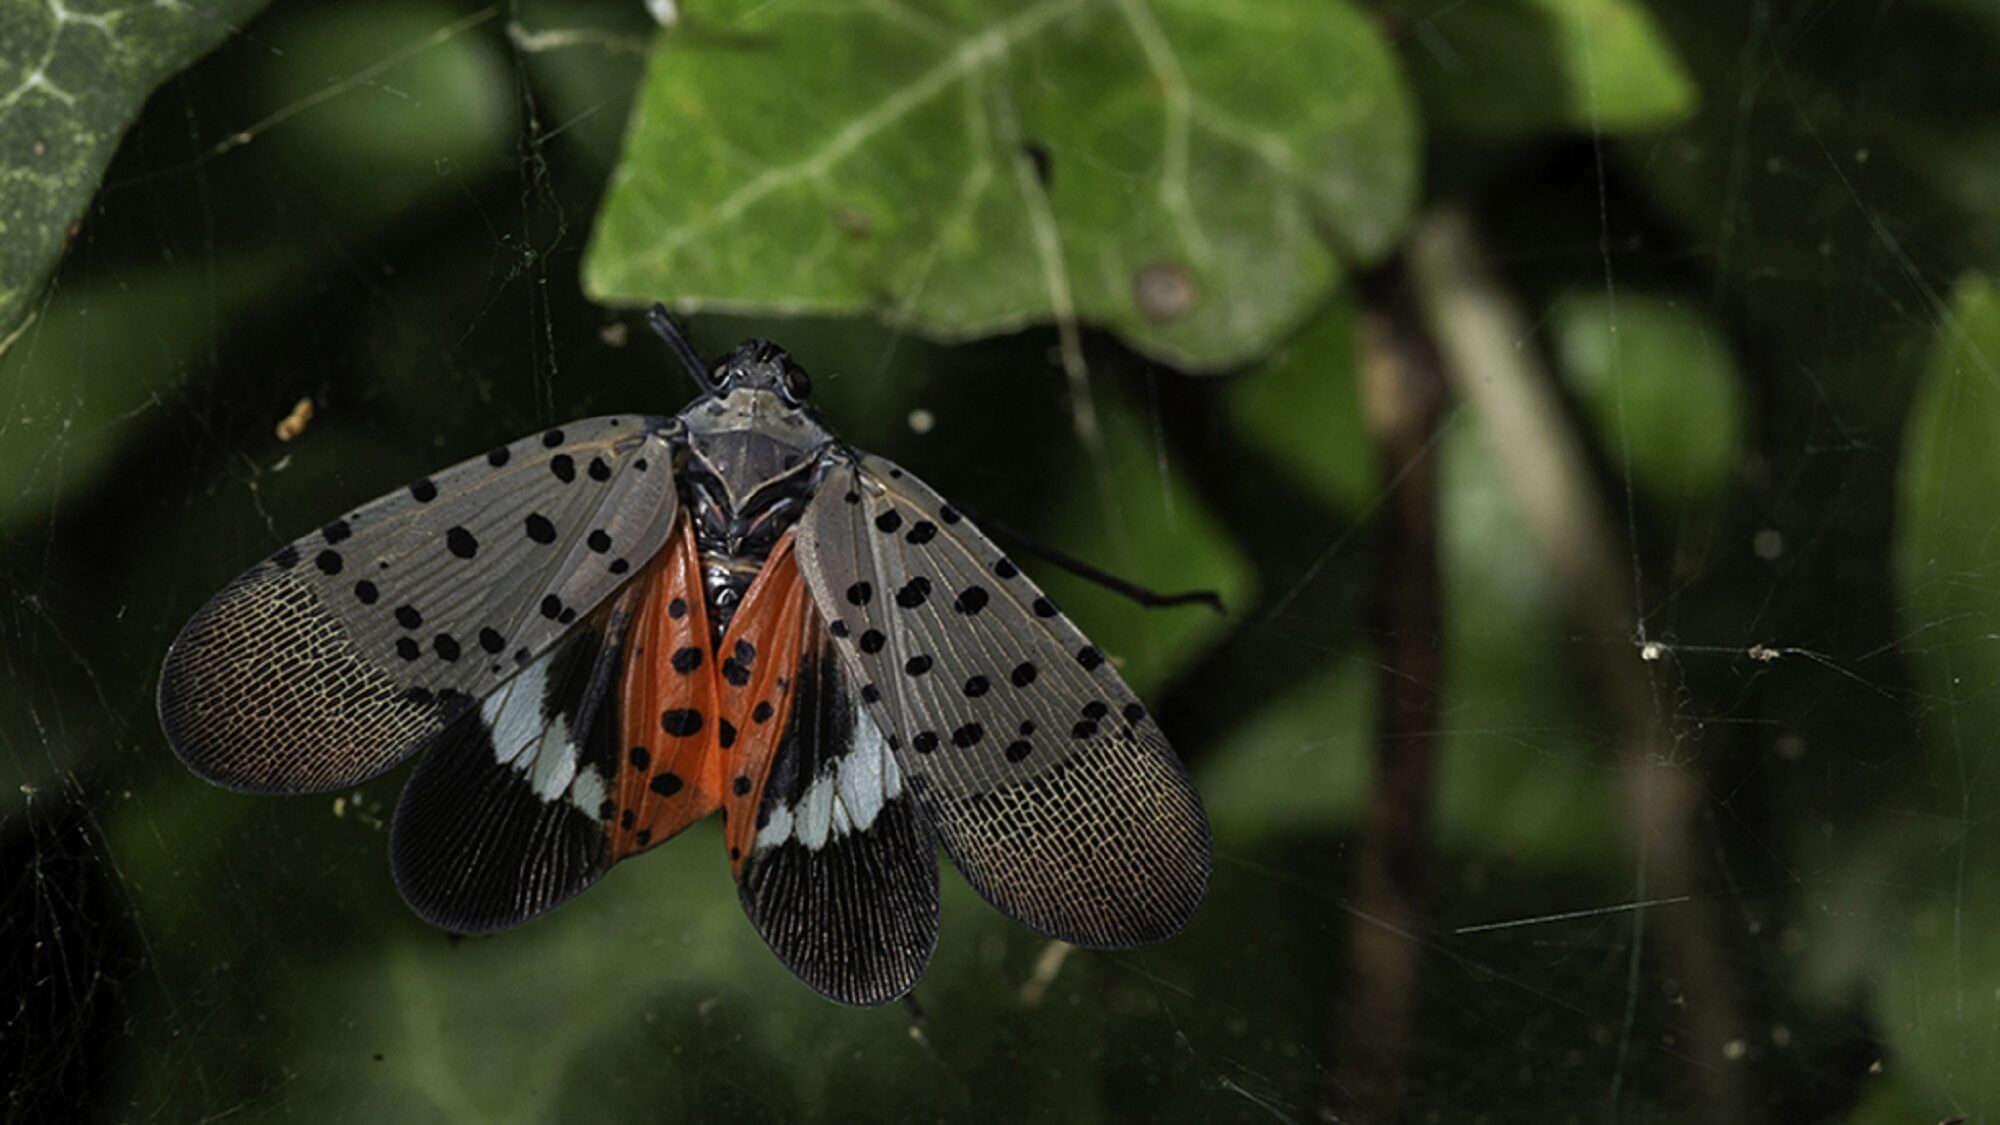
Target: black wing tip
x=875, y=995
x=460, y=924
x=855, y=920
x=863, y=991
x=855, y=983
x=473, y=850
x=481, y=909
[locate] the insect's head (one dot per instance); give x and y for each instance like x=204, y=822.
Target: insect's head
x=757, y=365
x=751, y=429
x=760, y=365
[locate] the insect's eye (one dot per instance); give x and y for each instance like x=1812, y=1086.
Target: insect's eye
x=797, y=385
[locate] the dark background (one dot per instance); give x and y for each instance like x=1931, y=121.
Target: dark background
x=1656, y=793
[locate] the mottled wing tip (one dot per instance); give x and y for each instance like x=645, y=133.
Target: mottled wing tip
x=1110, y=851
x=264, y=692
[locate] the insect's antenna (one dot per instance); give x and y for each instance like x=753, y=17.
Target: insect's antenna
x=659, y=321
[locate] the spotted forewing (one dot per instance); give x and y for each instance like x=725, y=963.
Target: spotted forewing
x=1043, y=776
x=349, y=649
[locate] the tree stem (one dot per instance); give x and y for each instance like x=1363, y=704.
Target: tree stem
x=1402, y=397
x=1483, y=336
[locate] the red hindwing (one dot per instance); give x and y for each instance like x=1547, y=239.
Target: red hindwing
x=669, y=776
x=698, y=725
x=759, y=670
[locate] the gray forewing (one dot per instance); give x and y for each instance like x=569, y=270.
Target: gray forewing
x=1049, y=784
x=348, y=649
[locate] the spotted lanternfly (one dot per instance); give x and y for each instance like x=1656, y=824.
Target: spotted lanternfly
x=605, y=632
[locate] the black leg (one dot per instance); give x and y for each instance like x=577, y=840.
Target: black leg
x=1084, y=570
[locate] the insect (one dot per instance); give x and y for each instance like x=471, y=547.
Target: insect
x=605, y=632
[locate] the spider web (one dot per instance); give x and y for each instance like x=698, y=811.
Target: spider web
x=173, y=952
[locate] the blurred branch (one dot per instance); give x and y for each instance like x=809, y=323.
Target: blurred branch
x=1402, y=396
x=1484, y=338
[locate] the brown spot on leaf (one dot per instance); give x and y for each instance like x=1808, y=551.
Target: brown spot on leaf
x=1164, y=290
x=853, y=221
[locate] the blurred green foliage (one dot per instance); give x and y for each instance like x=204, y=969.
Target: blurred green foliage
x=1517, y=66
x=1752, y=240
x=1943, y=978
x=1304, y=412
x=1658, y=385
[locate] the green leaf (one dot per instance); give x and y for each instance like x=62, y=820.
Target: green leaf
x=1160, y=170
x=1503, y=67
x=1658, y=383
x=1302, y=407
x=1940, y=990
x=72, y=78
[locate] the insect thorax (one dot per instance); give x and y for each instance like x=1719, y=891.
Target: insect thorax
x=751, y=467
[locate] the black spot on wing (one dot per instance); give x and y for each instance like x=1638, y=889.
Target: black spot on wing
x=681, y=722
